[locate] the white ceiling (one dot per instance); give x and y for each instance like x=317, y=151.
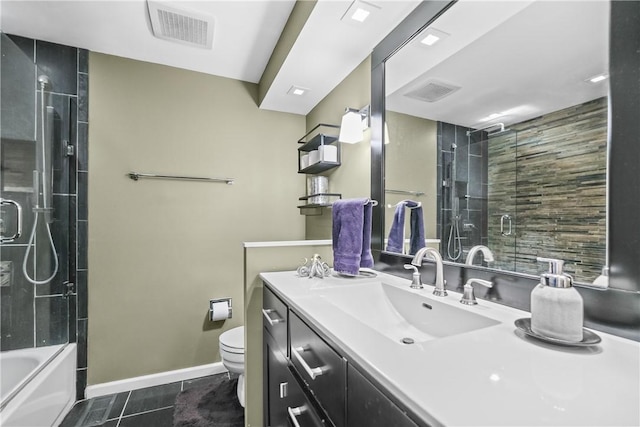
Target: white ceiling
x=246, y=32
x=522, y=59
x=328, y=49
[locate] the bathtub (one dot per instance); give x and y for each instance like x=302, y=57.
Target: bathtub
x=38, y=385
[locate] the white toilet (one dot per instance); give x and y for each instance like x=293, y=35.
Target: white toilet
x=232, y=354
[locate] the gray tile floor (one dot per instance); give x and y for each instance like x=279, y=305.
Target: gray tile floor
x=147, y=407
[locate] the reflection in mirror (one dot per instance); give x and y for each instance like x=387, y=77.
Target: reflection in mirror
x=502, y=124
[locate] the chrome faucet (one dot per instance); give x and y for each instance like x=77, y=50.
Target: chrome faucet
x=416, y=281
x=486, y=252
x=468, y=298
x=440, y=290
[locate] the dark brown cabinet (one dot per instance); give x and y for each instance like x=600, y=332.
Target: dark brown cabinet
x=284, y=399
x=369, y=407
x=320, y=367
x=309, y=383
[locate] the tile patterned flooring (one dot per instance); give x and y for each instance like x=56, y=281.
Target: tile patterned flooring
x=147, y=407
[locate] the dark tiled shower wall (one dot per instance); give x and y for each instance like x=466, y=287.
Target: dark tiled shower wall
x=43, y=311
x=470, y=184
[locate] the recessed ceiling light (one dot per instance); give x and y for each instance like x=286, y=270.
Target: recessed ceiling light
x=359, y=11
x=297, y=90
x=431, y=36
x=430, y=40
x=597, y=78
x=360, y=15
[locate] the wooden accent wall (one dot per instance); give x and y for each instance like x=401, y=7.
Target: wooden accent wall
x=559, y=190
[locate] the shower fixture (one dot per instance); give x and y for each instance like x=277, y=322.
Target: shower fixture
x=495, y=132
x=454, y=242
x=43, y=185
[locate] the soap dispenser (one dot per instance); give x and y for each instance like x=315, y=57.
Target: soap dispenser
x=556, y=306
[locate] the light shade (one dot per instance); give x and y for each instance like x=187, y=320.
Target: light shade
x=351, y=131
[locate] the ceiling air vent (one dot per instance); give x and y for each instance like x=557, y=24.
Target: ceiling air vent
x=432, y=91
x=179, y=25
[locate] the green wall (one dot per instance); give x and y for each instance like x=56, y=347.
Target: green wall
x=411, y=164
x=159, y=249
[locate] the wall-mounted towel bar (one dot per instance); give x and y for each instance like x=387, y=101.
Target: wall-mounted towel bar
x=136, y=176
x=367, y=202
x=412, y=193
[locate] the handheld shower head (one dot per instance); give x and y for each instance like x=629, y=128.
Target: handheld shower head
x=44, y=81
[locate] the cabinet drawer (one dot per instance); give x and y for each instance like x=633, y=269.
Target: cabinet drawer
x=321, y=368
x=274, y=318
x=285, y=404
x=368, y=406
x=299, y=411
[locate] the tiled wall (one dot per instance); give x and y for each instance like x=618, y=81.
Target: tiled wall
x=40, y=315
x=548, y=174
x=560, y=191
x=470, y=185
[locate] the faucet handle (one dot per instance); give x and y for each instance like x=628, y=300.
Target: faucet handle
x=468, y=297
x=416, y=281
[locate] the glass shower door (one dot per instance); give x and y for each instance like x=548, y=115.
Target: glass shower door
x=501, y=198
x=35, y=187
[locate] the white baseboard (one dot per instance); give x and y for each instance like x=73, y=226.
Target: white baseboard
x=153, y=380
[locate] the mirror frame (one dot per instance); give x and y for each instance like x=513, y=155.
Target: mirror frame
x=623, y=236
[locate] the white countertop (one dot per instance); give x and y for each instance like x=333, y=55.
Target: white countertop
x=495, y=376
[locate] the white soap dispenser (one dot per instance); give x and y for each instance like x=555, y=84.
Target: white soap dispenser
x=556, y=306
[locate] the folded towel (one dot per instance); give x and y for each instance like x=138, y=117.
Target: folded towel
x=351, y=235
x=366, y=260
x=416, y=222
x=395, y=243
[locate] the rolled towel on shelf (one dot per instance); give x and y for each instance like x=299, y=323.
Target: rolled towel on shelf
x=351, y=233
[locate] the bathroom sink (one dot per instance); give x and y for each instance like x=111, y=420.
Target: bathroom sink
x=401, y=315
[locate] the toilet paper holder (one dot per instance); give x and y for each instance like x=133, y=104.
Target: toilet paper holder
x=214, y=302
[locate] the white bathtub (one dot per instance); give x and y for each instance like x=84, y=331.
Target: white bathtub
x=38, y=385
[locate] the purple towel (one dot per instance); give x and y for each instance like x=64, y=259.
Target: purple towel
x=396, y=234
x=416, y=241
x=351, y=236
x=395, y=243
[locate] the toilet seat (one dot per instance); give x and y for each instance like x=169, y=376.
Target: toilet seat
x=232, y=341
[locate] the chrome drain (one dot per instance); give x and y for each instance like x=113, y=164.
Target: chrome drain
x=407, y=340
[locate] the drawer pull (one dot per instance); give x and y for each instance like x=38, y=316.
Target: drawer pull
x=266, y=313
x=312, y=372
x=284, y=390
x=294, y=412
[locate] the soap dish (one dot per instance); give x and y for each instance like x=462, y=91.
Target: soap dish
x=588, y=337
x=362, y=274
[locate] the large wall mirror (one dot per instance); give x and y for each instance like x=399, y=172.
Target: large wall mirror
x=496, y=122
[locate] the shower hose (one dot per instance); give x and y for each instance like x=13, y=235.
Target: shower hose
x=454, y=235
x=31, y=243
x=41, y=211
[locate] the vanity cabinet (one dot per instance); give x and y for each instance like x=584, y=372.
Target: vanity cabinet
x=310, y=383
x=275, y=316
x=284, y=399
x=322, y=370
x=369, y=407
x=285, y=402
